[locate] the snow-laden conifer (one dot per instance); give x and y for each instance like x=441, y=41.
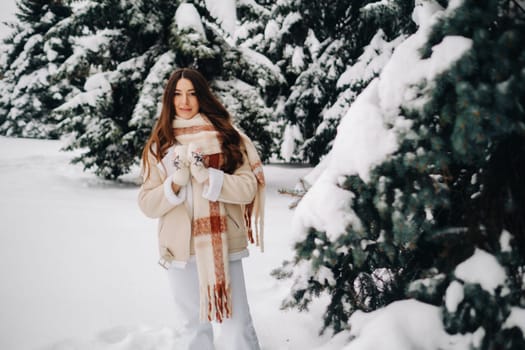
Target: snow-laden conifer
x=421, y=196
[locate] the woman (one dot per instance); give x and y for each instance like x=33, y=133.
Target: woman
x=203, y=179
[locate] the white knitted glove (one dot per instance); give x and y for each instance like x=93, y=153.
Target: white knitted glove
x=177, y=165
x=198, y=169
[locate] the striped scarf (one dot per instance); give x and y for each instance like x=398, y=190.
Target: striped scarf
x=209, y=218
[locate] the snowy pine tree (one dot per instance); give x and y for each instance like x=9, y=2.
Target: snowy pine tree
x=480, y=104
x=313, y=43
x=30, y=60
x=424, y=181
x=115, y=44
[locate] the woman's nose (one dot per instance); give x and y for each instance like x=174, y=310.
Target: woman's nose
x=184, y=98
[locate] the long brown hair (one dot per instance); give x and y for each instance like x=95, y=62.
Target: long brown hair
x=162, y=136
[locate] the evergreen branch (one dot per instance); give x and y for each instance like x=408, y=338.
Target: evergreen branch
x=290, y=192
x=296, y=193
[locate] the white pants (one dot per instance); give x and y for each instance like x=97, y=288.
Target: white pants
x=237, y=332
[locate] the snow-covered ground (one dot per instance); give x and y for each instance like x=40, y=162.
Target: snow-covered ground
x=78, y=261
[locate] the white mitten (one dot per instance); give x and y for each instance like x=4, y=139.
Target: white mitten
x=177, y=165
x=197, y=167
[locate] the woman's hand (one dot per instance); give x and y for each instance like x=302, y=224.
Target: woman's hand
x=177, y=165
x=198, y=169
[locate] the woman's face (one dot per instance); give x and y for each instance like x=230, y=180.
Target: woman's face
x=185, y=100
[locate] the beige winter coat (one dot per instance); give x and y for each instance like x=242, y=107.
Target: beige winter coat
x=174, y=226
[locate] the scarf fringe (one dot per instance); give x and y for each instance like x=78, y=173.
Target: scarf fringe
x=218, y=298
x=254, y=219
x=255, y=209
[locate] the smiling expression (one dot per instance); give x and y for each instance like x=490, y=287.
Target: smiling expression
x=185, y=100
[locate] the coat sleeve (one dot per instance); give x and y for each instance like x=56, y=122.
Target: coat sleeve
x=239, y=187
x=154, y=198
